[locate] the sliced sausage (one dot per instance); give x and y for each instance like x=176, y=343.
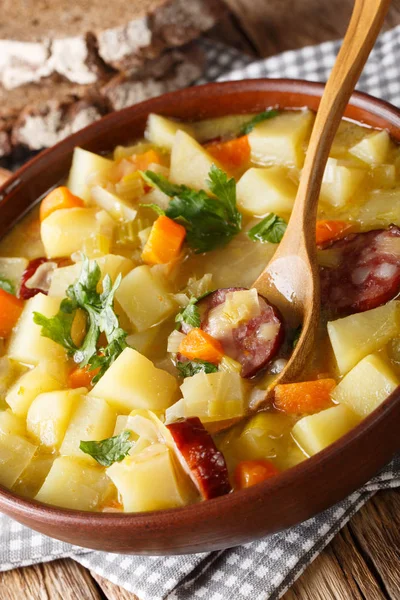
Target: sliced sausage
x=200, y=457
x=254, y=343
x=368, y=271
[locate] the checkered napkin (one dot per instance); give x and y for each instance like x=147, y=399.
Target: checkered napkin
x=265, y=569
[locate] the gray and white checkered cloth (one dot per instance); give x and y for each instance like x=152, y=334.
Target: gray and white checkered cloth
x=265, y=569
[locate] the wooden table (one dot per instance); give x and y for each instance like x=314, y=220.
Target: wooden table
x=363, y=561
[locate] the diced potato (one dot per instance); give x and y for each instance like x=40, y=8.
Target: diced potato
x=73, y=483
x=358, y=335
x=92, y=420
x=316, y=432
x=367, y=385
x=161, y=131
x=11, y=424
x=220, y=127
x=111, y=265
x=65, y=231
x=381, y=208
x=214, y=396
x=112, y=204
x=282, y=140
x=265, y=190
x=27, y=345
x=12, y=269
x=373, y=148
x=15, y=454
x=31, y=384
x=32, y=478
x=49, y=416
x=143, y=341
x=151, y=480
x=133, y=381
x=340, y=182
x=85, y=166
x=190, y=163
x=144, y=298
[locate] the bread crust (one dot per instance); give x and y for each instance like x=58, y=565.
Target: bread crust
x=90, y=56
x=65, y=109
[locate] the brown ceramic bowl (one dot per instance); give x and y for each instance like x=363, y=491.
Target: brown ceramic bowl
x=297, y=494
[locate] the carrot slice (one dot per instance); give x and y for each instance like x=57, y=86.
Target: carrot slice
x=331, y=230
x=10, y=311
x=59, y=198
x=250, y=472
x=202, y=346
x=232, y=154
x=164, y=243
x=81, y=377
x=144, y=160
x=306, y=397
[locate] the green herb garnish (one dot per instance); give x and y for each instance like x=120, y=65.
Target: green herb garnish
x=7, y=285
x=101, y=318
x=270, y=229
x=190, y=368
x=190, y=314
x=107, y=452
x=209, y=222
x=263, y=116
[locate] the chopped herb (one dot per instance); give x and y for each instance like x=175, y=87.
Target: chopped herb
x=7, y=285
x=101, y=318
x=209, y=222
x=190, y=368
x=107, y=452
x=190, y=314
x=263, y=116
x=270, y=229
x=155, y=207
x=296, y=336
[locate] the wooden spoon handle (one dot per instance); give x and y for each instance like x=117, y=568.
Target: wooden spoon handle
x=364, y=26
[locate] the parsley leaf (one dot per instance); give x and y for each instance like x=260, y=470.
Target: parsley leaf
x=263, y=116
x=190, y=368
x=7, y=285
x=209, y=222
x=101, y=318
x=190, y=314
x=106, y=356
x=270, y=229
x=106, y=452
x=58, y=328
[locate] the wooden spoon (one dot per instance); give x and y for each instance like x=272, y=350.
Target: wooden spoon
x=291, y=279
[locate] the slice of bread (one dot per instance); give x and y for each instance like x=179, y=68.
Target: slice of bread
x=41, y=115
x=83, y=42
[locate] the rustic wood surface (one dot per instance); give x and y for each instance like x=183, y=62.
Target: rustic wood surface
x=363, y=560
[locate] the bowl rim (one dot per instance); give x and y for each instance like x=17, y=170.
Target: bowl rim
x=28, y=508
